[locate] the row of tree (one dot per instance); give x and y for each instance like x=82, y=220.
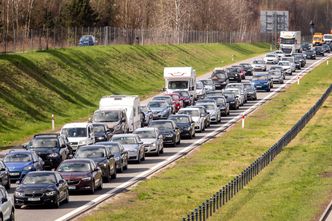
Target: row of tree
x=225, y=15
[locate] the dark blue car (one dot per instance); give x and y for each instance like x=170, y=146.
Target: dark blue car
x=87, y=40
x=21, y=162
x=261, y=82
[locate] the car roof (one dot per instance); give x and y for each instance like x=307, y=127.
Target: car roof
x=189, y=108
x=20, y=151
x=96, y=145
x=80, y=124
x=146, y=129
x=43, y=172
x=124, y=135
x=179, y=115
x=162, y=121
x=78, y=160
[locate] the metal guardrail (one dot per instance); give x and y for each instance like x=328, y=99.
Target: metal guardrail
x=227, y=192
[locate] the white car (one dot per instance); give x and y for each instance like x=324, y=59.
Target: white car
x=286, y=67
x=200, y=90
x=6, y=205
x=208, y=85
x=79, y=134
x=196, y=115
x=271, y=59
x=259, y=65
x=279, y=53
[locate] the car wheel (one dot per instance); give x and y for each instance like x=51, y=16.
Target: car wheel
x=12, y=215
x=56, y=204
x=7, y=186
x=67, y=197
x=106, y=178
x=268, y=90
x=158, y=152
x=143, y=158
x=138, y=158
x=179, y=141
x=113, y=176
x=92, y=188
x=1, y=218
x=121, y=168
x=125, y=167
x=101, y=185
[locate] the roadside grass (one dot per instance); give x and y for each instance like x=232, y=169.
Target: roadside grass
x=297, y=185
x=69, y=82
x=173, y=192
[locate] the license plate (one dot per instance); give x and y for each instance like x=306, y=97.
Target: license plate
x=14, y=174
x=258, y=86
x=72, y=187
x=231, y=78
x=33, y=199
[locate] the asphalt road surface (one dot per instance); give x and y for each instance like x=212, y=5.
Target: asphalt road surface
x=136, y=172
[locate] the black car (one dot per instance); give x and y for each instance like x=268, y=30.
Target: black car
x=222, y=104
x=101, y=156
x=234, y=103
x=101, y=131
x=306, y=46
x=42, y=188
x=185, y=123
x=310, y=54
x=119, y=153
x=297, y=62
x=301, y=58
x=4, y=176
x=234, y=74
x=169, y=130
x=251, y=90
x=247, y=68
x=147, y=115
x=319, y=51
x=326, y=48
x=52, y=148
x=220, y=78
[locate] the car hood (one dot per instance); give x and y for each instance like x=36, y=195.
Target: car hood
x=130, y=146
x=260, y=81
x=148, y=140
x=17, y=166
x=157, y=109
x=196, y=119
x=35, y=188
x=165, y=130
x=75, y=175
x=99, y=134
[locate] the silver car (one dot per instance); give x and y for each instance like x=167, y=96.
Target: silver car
x=259, y=65
x=196, y=115
x=152, y=140
x=208, y=85
x=214, y=111
x=132, y=144
x=241, y=87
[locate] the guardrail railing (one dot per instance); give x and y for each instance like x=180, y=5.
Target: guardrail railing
x=227, y=192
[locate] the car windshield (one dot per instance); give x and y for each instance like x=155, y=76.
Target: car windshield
x=74, y=167
x=161, y=124
x=124, y=140
x=199, y=85
x=160, y=98
x=193, y=113
x=288, y=59
x=233, y=90
x=233, y=86
x=75, y=132
x=275, y=68
x=146, y=134
x=44, y=142
x=258, y=62
x=17, y=157
x=208, y=106
x=90, y=152
x=85, y=38
x=207, y=82
x=39, y=178
x=214, y=93
x=180, y=119
x=98, y=128
x=178, y=85
x=106, y=116
x=275, y=73
x=157, y=104
x=262, y=77
x=270, y=55
x=247, y=86
x=229, y=94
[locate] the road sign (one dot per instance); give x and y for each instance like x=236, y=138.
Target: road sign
x=274, y=21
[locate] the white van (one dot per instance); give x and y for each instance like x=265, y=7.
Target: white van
x=180, y=79
x=129, y=103
x=79, y=134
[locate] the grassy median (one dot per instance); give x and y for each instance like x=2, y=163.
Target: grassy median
x=69, y=82
x=177, y=190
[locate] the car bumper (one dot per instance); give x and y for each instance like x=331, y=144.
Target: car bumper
x=150, y=149
x=132, y=156
x=78, y=185
x=31, y=201
x=169, y=140
x=262, y=87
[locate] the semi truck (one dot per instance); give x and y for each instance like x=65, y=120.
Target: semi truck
x=290, y=42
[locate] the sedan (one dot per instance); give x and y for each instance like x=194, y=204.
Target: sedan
x=4, y=176
x=326, y=48
x=231, y=99
x=185, y=124
x=277, y=76
x=271, y=59
x=168, y=99
x=133, y=145
x=205, y=114
x=259, y=65
x=238, y=94
x=220, y=78
x=214, y=111
x=319, y=51
x=251, y=90
x=152, y=139
x=101, y=131
x=241, y=88
x=234, y=74
x=286, y=66
x=147, y=115
x=119, y=153
x=197, y=116
x=7, y=208
x=222, y=104
x=160, y=109
x=41, y=188
x=310, y=54
x=21, y=162
x=81, y=175
x=247, y=68
x=261, y=82
x=101, y=156
x=169, y=130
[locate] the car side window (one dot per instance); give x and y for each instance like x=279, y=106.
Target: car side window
x=2, y=165
x=58, y=177
x=2, y=194
x=92, y=165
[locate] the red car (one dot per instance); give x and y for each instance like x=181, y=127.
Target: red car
x=185, y=97
x=177, y=102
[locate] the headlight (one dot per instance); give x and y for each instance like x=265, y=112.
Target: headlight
x=19, y=194
x=82, y=142
x=169, y=135
x=102, y=164
x=28, y=167
x=51, y=193
x=188, y=128
x=54, y=155
x=86, y=178
x=153, y=144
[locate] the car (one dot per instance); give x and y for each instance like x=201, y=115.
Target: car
x=81, y=175
x=310, y=54
x=168, y=99
x=213, y=110
x=197, y=115
x=160, y=109
x=102, y=158
x=234, y=103
x=287, y=67
x=78, y=134
x=119, y=153
x=294, y=61
x=4, y=175
x=238, y=94
x=185, y=98
x=271, y=58
x=220, y=78
x=269, y=77
x=259, y=65
x=277, y=76
x=222, y=104
x=305, y=46
x=205, y=114
x=7, y=208
x=169, y=130
x=208, y=85
x=87, y=40
x=147, y=115
x=279, y=68
x=178, y=103
x=241, y=71
x=326, y=48
x=133, y=145
x=200, y=90
x=116, y=120
x=41, y=188
x=21, y=162
x=298, y=62
x=261, y=82
x=279, y=53
x=234, y=74
x=319, y=51
x=53, y=148
x=185, y=123
x=247, y=68
x=301, y=58
x=207, y=100
x=102, y=132
x=251, y=90
x=152, y=139
x=242, y=89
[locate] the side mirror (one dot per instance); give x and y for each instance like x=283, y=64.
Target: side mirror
x=110, y=156
x=61, y=182
x=3, y=200
x=2, y=169
x=97, y=169
x=141, y=142
x=70, y=156
x=63, y=146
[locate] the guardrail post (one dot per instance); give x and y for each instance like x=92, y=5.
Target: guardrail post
x=196, y=214
x=204, y=211
x=223, y=195
x=200, y=213
x=207, y=208
x=192, y=216
x=188, y=217
x=217, y=200
x=214, y=204
x=211, y=201
x=184, y=219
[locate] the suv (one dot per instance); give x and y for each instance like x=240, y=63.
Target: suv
x=52, y=148
x=234, y=74
x=220, y=78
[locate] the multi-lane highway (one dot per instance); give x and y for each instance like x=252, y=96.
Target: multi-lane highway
x=136, y=172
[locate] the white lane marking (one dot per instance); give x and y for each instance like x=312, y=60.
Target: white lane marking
x=181, y=153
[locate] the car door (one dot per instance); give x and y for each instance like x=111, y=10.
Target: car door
x=124, y=155
x=63, y=148
x=62, y=186
x=96, y=173
x=5, y=204
x=4, y=174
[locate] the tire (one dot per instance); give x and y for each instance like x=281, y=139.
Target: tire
x=162, y=149
x=113, y=176
x=158, y=152
x=125, y=167
x=56, y=204
x=92, y=190
x=143, y=158
x=106, y=178
x=121, y=168
x=138, y=161
x=67, y=198
x=16, y=206
x=101, y=185
x=179, y=141
x=12, y=215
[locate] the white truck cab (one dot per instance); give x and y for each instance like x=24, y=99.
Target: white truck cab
x=290, y=42
x=79, y=134
x=180, y=79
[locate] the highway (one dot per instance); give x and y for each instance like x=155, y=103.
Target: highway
x=137, y=172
